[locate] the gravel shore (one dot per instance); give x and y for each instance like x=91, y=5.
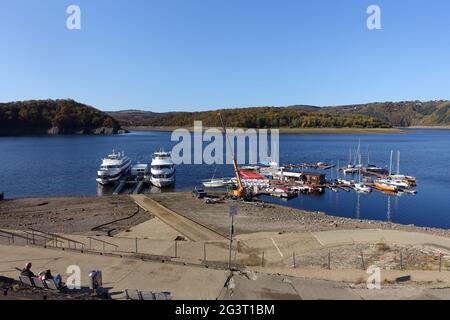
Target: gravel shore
x=72, y=215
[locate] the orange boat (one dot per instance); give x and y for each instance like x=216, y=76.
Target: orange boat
x=385, y=187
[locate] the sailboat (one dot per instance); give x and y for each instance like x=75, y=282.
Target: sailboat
x=359, y=186
x=351, y=168
x=215, y=182
x=385, y=184
x=400, y=179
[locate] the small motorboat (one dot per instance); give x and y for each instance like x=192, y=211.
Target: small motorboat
x=361, y=187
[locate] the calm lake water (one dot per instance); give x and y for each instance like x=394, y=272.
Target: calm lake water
x=66, y=165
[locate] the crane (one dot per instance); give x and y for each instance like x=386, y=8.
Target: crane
x=240, y=192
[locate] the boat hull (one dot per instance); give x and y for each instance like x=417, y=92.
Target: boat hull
x=384, y=187
x=162, y=183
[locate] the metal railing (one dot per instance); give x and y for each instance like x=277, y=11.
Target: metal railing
x=55, y=238
x=103, y=242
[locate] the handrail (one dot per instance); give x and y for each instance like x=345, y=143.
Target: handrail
x=12, y=234
x=42, y=236
x=56, y=236
x=104, y=242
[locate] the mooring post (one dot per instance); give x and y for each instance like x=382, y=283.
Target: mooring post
x=329, y=260
x=440, y=262
x=176, y=248
x=293, y=258
x=401, y=261
x=262, y=260
x=136, y=245
x=204, y=251
x=90, y=244
x=32, y=234
x=362, y=261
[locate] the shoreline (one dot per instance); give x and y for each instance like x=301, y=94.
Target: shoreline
x=283, y=130
x=266, y=216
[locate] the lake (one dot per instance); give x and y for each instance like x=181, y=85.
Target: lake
x=66, y=165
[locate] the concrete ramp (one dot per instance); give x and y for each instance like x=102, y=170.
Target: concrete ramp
x=189, y=228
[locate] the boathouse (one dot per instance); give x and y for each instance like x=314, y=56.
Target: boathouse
x=306, y=177
x=315, y=178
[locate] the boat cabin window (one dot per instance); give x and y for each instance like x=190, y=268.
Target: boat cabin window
x=162, y=176
x=168, y=166
x=108, y=167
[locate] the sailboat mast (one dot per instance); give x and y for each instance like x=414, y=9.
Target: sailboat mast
x=338, y=176
x=390, y=163
x=398, y=162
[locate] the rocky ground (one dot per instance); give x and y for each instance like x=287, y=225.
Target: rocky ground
x=258, y=217
x=70, y=215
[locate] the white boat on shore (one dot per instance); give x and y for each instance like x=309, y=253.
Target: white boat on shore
x=162, y=170
x=214, y=183
x=113, y=168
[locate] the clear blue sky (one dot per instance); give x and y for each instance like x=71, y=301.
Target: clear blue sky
x=163, y=55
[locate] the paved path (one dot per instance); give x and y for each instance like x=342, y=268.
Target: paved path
x=190, y=229
x=184, y=282
x=341, y=237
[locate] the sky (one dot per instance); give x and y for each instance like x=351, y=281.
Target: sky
x=173, y=55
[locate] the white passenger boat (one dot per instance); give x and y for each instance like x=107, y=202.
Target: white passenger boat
x=162, y=170
x=113, y=167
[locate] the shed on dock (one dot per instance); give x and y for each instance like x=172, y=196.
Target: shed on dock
x=316, y=178
x=250, y=175
x=307, y=177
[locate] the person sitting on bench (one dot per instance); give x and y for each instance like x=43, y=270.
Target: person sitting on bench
x=47, y=275
x=26, y=272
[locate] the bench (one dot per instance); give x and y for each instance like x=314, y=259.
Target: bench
x=25, y=280
x=38, y=283
x=51, y=284
x=133, y=294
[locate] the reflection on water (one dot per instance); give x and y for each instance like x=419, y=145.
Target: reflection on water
x=106, y=190
x=389, y=218
x=358, y=206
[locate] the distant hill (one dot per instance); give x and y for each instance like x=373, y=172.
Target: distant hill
x=134, y=117
x=371, y=115
x=402, y=114
x=258, y=117
x=54, y=117
x=71, y=117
